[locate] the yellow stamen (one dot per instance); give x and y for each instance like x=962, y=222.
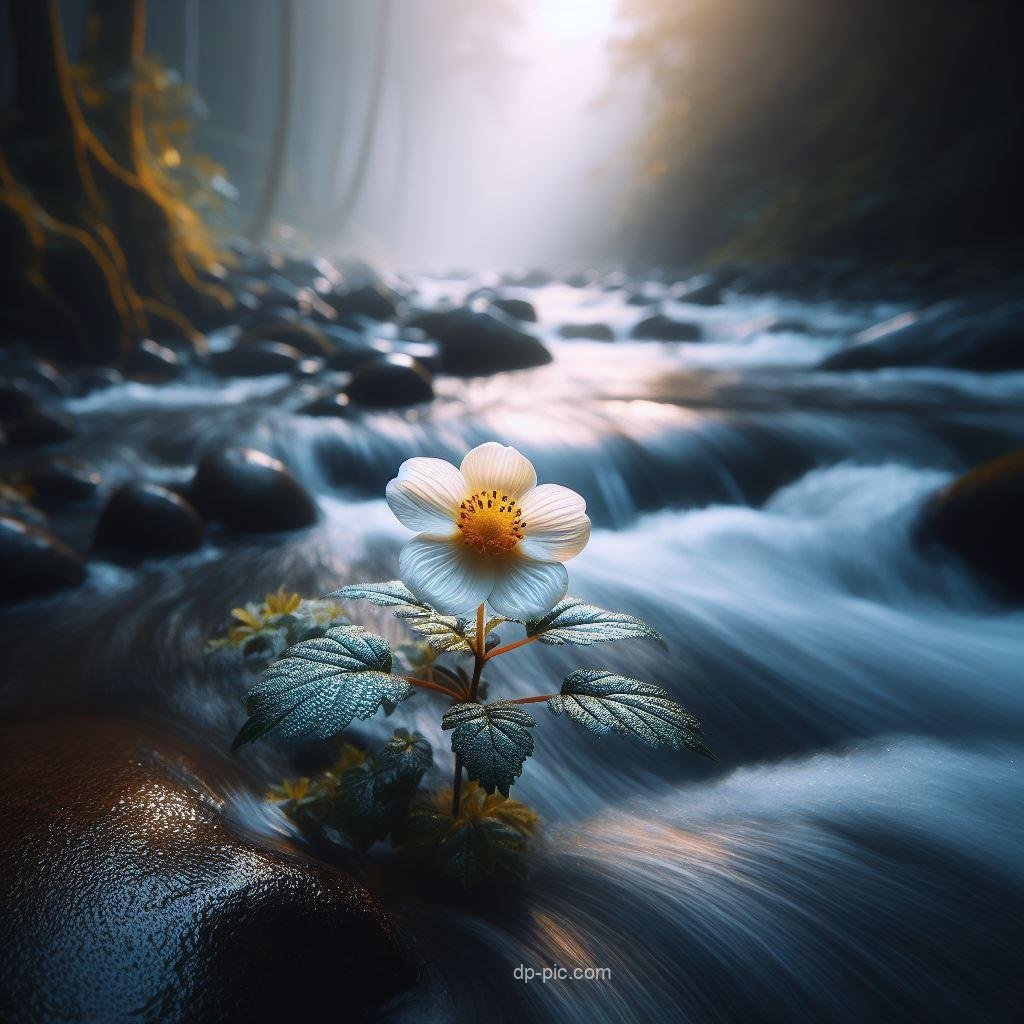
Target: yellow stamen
x=490, y=522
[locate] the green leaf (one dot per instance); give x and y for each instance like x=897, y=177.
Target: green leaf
x=320, y=685
x=445, y=633
x=389, y=595
x=604, y=702
x=401, y=764
x=357, y=812
x=572, y=621
x=492, y=740
x=490, y=832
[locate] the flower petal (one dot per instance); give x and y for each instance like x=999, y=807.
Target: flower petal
x=556, y=524
x=446, y=574
x=526, y=589
x=493, y=465
x=426, y=494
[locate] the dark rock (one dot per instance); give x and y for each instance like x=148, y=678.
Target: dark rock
x=16, y=399
x=153, y=363
x=148, y=517
x=330, y=404
x=987, y=341
x=595, y=332
x=979, y=516
x=704, y=290
x=250, y=491
x=518, y=308
x=425, y=352
x=130, y=894
x=662, y=328
x=15, y=504
x=40, y=427
x=33, y=561
x=61, y=481
x=789, y=326
x=581, y=279
x=97, y=378
x=373, y=299
x=308, y=339
x=254, y=359
x=475, y=343
x=350, y=348
x=646, y=295
x=389, y=382
x=40, y=376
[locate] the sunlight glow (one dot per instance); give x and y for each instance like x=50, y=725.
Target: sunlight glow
x=574, y=19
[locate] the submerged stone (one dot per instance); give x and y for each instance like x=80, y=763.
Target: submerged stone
x=33, y=561
x=150, y=518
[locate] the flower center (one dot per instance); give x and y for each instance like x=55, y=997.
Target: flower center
x=490, y=522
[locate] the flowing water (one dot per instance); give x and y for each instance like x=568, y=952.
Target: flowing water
x=853, y=854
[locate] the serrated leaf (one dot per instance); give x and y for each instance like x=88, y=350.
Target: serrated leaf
x=604, y=702
x=445, y=633
x=492, y=740
x=321, y=685
x=573, y=621
x=387, y=595
x=401, y=764
x=357, y=812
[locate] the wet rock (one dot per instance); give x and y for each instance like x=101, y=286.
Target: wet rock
x=645, y=295
x=788, y=325
x=581, y=279
x=16, y=398
x=330, y=404
x=350, y=349
x=373, y=299
x=389, y=382
x=41, y=427
x=62, y=481
x=704, y=290
x=662, y=328
x=987, y=341
x=129, y=893
x=250, y=491
x=33, y=562
x=152, y=362
x=521, y=309
x=255, y=359
x=40, y=376
x=148, y=517
x=15, y=504
x=97, y=378
x=305, y=337
x=594, y=332
x=475, y=343
x=979, y=516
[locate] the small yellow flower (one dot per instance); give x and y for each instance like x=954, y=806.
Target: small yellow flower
x=281, y=603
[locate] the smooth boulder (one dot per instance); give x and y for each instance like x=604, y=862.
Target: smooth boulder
x=130, y=894
x=979, y=516
x=662, y=328
x=591, y=332
x=477, y=343
x=152, y=363
x=250, y=491
x=255, y=359
x=520, y=309
x=34, y=562
x=146, y=517
x=373, y=299
x=987, y=341
x=61, y=481
x=309, y=340
x=390, y=381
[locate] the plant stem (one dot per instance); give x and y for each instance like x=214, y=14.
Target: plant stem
x=510, y=647
x=433, y=686
x=479, y=657
x=533, y=700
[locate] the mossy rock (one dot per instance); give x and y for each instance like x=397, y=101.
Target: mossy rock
x=979, y=516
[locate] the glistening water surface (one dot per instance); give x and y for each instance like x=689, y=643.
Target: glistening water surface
x=852, y=856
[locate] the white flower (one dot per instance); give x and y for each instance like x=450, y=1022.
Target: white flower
x=487, y=533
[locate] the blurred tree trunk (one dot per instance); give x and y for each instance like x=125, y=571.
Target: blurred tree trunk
x=90, y=232
x=279, y=146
